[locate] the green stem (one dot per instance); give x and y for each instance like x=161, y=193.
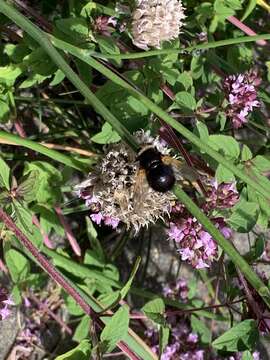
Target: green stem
x=187, y=50
x=43, y=40
x=81, y=54
x=229, y=249
x=53, y=154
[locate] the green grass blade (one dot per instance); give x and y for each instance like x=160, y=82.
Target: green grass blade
x=187, y=50
x=53, y=154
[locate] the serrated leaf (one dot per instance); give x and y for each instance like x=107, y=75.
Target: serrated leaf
x=28, y=186
x=116, y=329
x=80, y=352
x=106, y=136
x=240, y=337
x=4, y=173
x=18, y=265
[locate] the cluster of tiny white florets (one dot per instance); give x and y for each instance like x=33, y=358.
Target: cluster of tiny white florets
x=113, y=197
x=155, y=21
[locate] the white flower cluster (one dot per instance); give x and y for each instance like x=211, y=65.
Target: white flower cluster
x=155, y=21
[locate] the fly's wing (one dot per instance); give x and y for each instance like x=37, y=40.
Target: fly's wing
x=90, y=181
x=140, y=188
x=183, y=172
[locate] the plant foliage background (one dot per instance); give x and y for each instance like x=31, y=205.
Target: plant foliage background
x=78, y=78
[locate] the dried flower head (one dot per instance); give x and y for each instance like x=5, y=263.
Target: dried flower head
x=115, y=192
x=241, y=95
x=155, y=21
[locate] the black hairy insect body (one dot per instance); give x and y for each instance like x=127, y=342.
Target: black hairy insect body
x=160, y=176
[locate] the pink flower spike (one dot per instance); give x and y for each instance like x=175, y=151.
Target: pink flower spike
x=97, y=218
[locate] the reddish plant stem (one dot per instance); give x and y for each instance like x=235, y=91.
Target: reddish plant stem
x=45, y=236
x=45, y=264
x=46, y=309
x=170, y=313
x=253, y=303
x=71, y=238
x=247, y=30
x=31, y=12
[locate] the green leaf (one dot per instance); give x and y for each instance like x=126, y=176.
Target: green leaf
x=80, y=352
x=58, y=78
x=108, y=45
x=28, y=186
x=186, y=101
x=164, y=334
x=18, y=265
x=72, y=306
x=249, y=8
x=200, y=328
x=92, y=236
x=4, y=111
x=240, y=337
x=4, y=173
x=224, y=175
x=9, y=74
x=33, y=79
x=244, y=216
x=247, y=354
x=75, y=28
x=154, y=310
x=106, y=136
x=82, y=330
x=225, y=145
x=201, y=131
x=126, y=288
x=116, y=329
x=186, y=80
x=246, y=153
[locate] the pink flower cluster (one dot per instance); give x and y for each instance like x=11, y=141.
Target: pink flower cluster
x=195, y=245
x=97, y=216
x=241, y=95
x=221, y=196
x=177, y=290
x=183, y=343
x=5, y=304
